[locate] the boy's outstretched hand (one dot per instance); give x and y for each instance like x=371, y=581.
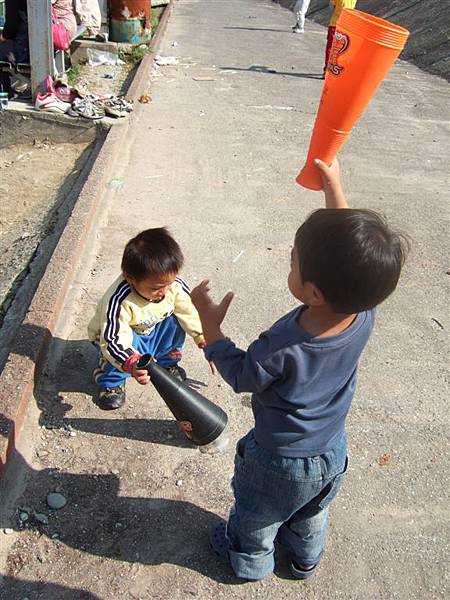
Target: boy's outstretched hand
x=331, y=181
x=211, y=314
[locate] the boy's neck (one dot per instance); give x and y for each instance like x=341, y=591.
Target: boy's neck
x=320, y=321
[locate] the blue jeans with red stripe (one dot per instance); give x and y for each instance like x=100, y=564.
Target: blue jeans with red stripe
x=166, y=337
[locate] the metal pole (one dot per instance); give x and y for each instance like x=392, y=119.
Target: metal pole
x=41, y=43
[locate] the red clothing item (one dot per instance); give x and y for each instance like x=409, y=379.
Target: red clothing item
x=66, y=15
x=330, y=38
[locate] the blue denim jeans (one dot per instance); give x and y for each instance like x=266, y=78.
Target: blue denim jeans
x=167, y=336
x=283, y=498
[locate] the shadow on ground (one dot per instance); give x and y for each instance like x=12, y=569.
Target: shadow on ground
x=102, y=522
x=149, y=531
x=76, y=359
x=259, y=29
x=41, y=590
x=268, y=71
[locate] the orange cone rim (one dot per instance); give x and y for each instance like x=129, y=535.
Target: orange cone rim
x=373, y=28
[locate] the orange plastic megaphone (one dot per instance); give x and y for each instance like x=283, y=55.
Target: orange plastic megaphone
x=364, y=49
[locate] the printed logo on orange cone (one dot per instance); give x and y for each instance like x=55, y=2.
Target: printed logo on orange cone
x=340, y=45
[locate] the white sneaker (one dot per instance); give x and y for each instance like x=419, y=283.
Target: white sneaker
x=298, y=29
x=50, y=103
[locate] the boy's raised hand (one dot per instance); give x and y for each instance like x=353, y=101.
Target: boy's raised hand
x=331, y=181
x=211, y=314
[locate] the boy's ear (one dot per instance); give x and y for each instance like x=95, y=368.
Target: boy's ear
x=128, y=278
x=313, y=295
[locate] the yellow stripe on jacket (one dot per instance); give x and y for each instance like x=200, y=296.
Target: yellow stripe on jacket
x=338, y=6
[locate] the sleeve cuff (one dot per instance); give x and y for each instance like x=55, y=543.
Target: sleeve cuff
x=128, y=364
x=217, y=347
x=200, y=341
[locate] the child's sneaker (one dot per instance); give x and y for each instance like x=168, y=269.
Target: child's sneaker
x=300, y=572
x=50, y=103
x=298, y=29
x=177, y=372
x=111, y=398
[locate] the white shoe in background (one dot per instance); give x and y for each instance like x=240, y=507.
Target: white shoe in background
x=50, y=103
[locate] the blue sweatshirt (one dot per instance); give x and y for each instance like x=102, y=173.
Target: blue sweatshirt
x=302, y=385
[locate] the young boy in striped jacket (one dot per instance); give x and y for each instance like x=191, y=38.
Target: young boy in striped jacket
x=147, y=309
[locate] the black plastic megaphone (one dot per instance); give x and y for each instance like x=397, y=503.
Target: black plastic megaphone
x=200, y=419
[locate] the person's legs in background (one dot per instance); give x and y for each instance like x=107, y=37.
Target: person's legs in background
x=13, y=51
x=330, y=37
x=300, y=10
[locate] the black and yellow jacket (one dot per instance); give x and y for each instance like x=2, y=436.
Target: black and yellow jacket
x=122, y=311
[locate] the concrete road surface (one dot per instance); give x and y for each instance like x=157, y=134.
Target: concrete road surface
x=214, y=156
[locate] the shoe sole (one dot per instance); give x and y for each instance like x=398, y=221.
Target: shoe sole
x=300, y=574
x=109, y=407
x=54, y=109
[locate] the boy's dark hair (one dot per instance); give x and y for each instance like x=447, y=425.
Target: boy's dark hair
x=152, y=252
x=351, y=256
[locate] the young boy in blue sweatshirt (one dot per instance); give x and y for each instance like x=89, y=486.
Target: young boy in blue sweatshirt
x=302, y=373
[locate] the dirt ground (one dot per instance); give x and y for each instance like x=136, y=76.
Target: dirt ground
x=104, y=80
x=35, y=179
x=116, y=516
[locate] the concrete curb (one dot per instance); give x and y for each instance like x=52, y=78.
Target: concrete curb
x=29, y=349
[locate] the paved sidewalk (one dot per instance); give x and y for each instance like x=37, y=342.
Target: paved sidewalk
x=214, y=156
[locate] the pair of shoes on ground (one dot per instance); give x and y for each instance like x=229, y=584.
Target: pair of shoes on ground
x=80, y=107
x=91, y=107
x=113, y=398
x=219, y=543
x=87, y=108
x=64, y=100
x=58, y=98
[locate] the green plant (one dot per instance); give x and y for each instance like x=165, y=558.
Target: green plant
x=138, y=53
x=156, y=16
x=155, y=22
x=74, y=74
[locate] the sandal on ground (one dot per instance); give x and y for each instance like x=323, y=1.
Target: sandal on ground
x=218, y=540
x=114, y=106
x=300, y=572
x=125, y=104
x=86, y=108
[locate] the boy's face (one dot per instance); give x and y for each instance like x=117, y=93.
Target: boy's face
x=154, y=287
